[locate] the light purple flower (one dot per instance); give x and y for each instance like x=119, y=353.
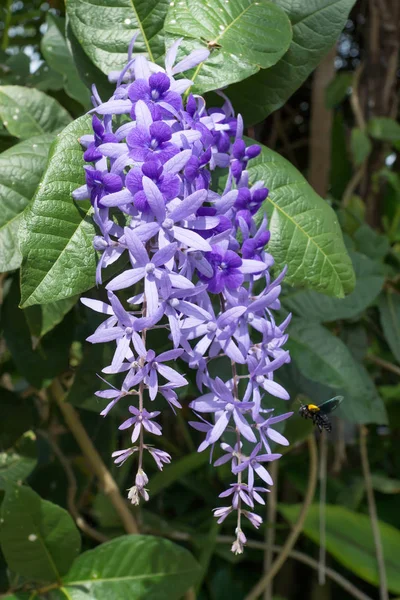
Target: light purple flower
x=141, y=418
x=253, y=464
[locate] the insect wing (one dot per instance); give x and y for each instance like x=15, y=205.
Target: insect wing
x=329, y=405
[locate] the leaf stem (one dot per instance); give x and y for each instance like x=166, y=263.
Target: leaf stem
x=107, y=482
x=384, y=595
x=384, y=364
x=297, y=529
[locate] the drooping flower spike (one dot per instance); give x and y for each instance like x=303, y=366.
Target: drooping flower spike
x=196, y=268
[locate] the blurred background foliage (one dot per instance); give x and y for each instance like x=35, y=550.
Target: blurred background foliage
x=339, y=129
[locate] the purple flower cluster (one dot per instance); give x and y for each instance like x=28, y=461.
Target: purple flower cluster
x=198, y=271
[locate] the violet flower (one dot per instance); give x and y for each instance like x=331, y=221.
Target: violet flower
x=199, y=273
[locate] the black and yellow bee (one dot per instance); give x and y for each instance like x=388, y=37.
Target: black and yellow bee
x=319, y=413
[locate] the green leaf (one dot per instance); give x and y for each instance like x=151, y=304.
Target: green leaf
x=58, y=56
x=45, y=79
x=39, y=539
x=21, y=167
x=385, y=484
x=371, y=243
x=88, y=72
x=43, y=318
x=16, y=417
x=316, y=26
x=57, y=233
x=244, y=36
x=349, y=539
x=384, y=129
x=104, y=29
x=86, y=382
x=389, y=311
x=14, y=468
x=322, y=357
x=305, y=234
x=176, y=471
x=361, y=146
x=50, y=357
x=133, y=566
x=317, y=307
x=27, y=112
x=337, y=89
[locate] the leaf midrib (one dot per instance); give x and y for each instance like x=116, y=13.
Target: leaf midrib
x=221, y=35
x=146, y=41
x=128, y=578
x=297, y=226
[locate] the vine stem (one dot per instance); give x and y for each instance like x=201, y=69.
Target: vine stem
x=183, y=536
x=72, y=489
x=106, y=480
x=307, y=560
x=297, y=529
x=384, y=595
x=323, y=459
x=270, y=530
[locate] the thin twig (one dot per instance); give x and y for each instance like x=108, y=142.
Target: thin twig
x=339, y=448
x=107, y=482
x=323, y=459
x=307, y=560
x=72, y=490
x=270, y=530
x=384, y=364
x=352, y=185
x=297, y=529
x=355, y=99
x=384, y=595
x=304, y=558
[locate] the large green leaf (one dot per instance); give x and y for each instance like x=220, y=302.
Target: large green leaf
x=305, y=234
x=243, y=36
x=105, y=29
x=42, y=318
x=39, y=539
x=36, y=362
x=87, y=70
x=349, y=539
x=58, y=57
x=56, y=234
x=177, y=471
x=86, y=382
x=316, y=26
x=133, y=566
x=21, y=167
x=318, y=307
x=361, y=146
x=26, y=112
x=324, y=358
x=384, y=129
x=389, y=310
x=14, y=468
